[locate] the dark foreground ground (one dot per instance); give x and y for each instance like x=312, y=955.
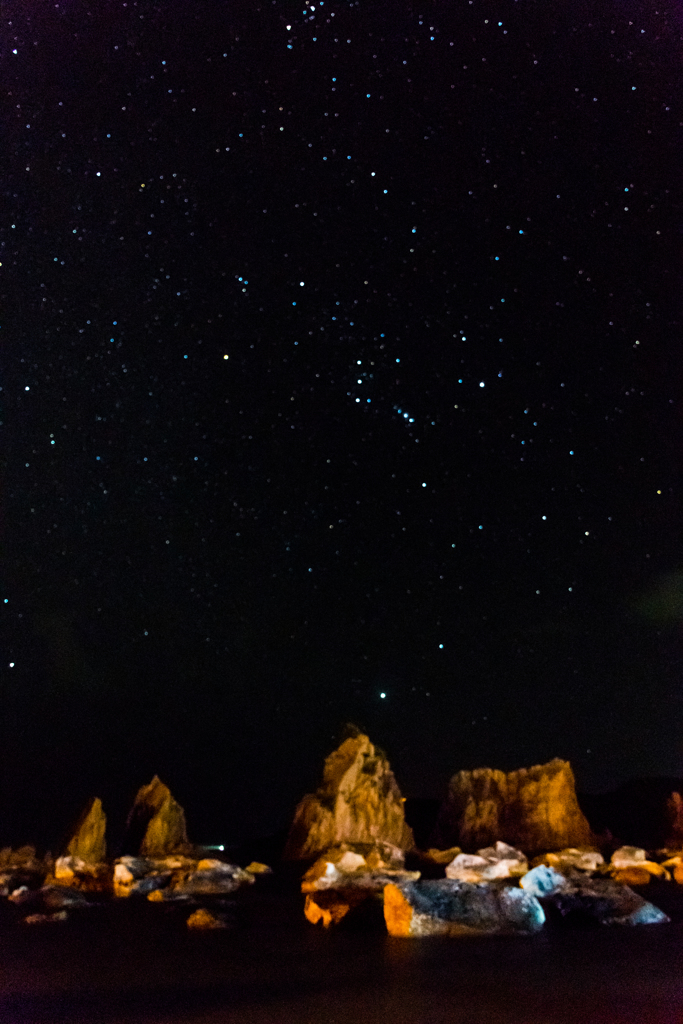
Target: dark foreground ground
x=135, y=963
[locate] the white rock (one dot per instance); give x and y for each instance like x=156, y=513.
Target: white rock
x=488, y=864
x=628, y=857
x=351, y=862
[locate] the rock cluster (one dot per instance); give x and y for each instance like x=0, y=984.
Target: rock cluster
x=493, y=862
x=358, y=802
x=532, y=808
x=347, y=875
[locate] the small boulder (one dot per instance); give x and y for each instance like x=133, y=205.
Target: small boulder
x=450, y=907
x=256, y=868
x=344, y=867
x=358, y=802
x=436, y=856
x=211, y=878
x=580, y=859
x=332, y=905
x=60, y=915
x=492, y=862
x=204, y=919
x=629, y=866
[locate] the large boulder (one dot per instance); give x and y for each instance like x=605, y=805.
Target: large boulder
x=448, y=907
x=358, y=802
x=156, y=824
x=601, y=898
x=88, y=841
x=534, y=809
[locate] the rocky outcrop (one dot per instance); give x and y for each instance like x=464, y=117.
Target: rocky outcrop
x=156, y=824
x=449, y=907
x=88, y=841
x=358, y=802
x=533, y=808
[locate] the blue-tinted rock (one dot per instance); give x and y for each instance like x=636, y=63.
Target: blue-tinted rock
x=450, y=907
x=600, y=898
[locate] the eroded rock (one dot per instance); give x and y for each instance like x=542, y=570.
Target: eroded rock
x=601, y=898
x=204, y=919
x=156, y=824
x=358, y=802
x=88, y=842
x=533, y=808
x=490, y=863
x=450, y=907
x=563, y=860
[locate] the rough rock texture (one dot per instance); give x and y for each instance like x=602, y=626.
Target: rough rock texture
x=601, y=898
x=674, y=814
x=203, y=918
x=629, y=866
x=448, y=907
x=532, y=808
x=88, y=841
x=331, y=906
x=486, y=865
x=156, y=824
x=358, y=802
x=582, y=860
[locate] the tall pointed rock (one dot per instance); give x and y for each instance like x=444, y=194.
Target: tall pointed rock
x=156, y=824
x=88, y=842
x=358, y=802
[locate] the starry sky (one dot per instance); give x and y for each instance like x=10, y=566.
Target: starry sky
x=341, y=381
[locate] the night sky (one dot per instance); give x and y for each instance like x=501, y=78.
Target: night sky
x=341, y=358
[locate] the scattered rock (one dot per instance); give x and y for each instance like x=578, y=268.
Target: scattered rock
x=629, y=866
x=563, y=860
x=676, y=863
x=204, y=919
x=212, y=878
x=256, y=868
x=344, y=867
x=450, y=907
x=127, y=872
x=533, y=808
x=61, y=915
x=156, y=824
x=601, y=898
x=358, y=802
x=88, y=841
x=492, y=862
x=435, y=856
x=79, y=874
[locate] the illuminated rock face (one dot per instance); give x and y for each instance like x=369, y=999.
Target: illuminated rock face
x=533, y=808
x=156, y=824
x=88, y=842
x=454, y=908
x=358, y=802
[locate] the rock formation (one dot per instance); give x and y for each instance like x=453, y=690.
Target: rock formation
x=674, y=814
x=156, y=824
x=88, y=841
x=358, y=802
x=534, y=809
x=600, y=898
x=447, y=907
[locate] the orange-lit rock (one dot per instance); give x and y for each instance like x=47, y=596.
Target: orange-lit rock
x=358, y=802
x=637, y=875
x=88, y=842
x=532, y=808
x=447, y=907
x=435, y=856
x=332, y=905
x=204, y=919
x=156, y=824
x=565, y=860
